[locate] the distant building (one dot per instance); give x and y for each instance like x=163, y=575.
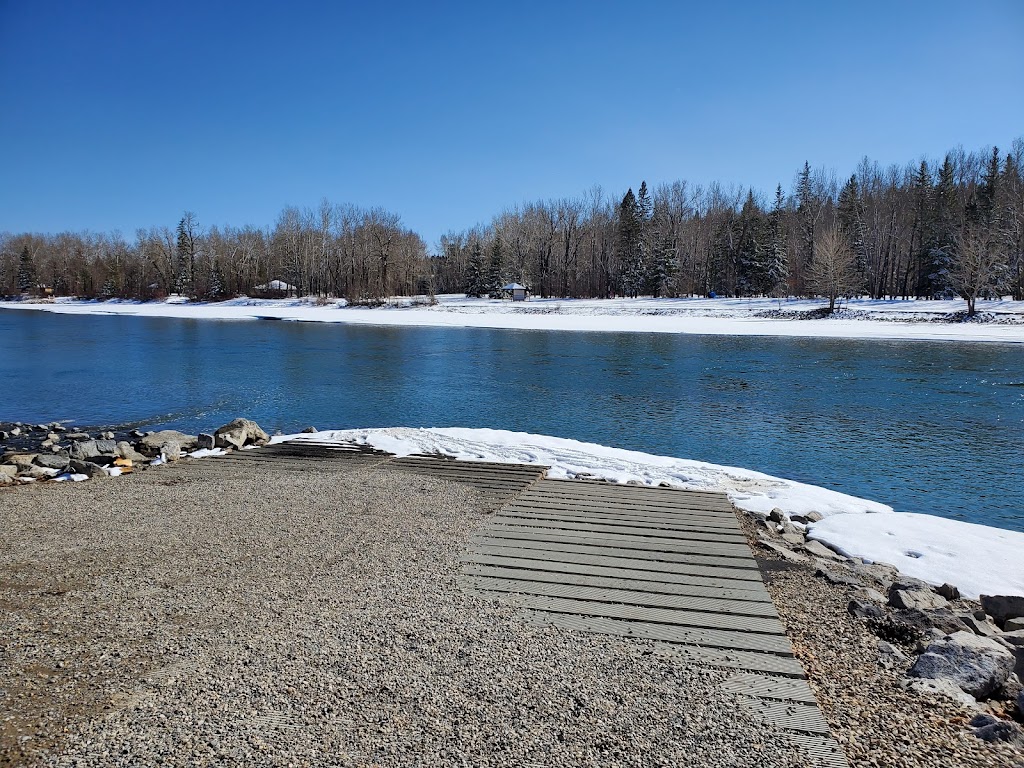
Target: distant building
x=276, y=289
x=515, y=291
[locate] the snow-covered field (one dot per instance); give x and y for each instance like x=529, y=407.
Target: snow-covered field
x=976, y=558
x=860, y=319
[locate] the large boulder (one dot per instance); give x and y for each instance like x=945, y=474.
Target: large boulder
x=155, y=442
x=921, y=599
x=125, y=451
x=240, y=432
x=51, y=460
x=86, y=450
x=977, y=665
x=1003, y=607
x=93, y=471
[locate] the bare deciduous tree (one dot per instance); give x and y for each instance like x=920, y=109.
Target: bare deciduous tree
x=833, y=270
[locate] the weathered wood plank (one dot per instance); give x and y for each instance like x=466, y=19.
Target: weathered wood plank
x=624, y=529
x=639, y=543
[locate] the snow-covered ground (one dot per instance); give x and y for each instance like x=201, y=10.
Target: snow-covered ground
x=860, y=319
x=976, y=558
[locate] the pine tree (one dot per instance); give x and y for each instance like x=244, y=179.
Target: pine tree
x=776, y=263
x=188, y=247
x=476, y=280
x=805, y=200
x=751, y=253
x=630, y=248
x=942, y=247
x=494, y=266
x=216, y=289
x=26, y=272
x=988, y=191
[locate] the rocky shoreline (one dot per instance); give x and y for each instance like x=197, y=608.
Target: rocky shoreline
x=31, y=453
x=967, y=653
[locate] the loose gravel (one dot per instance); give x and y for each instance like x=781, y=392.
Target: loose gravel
x=876, y=721
x=274, y=617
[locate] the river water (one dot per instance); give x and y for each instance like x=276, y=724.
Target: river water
x=923, y=426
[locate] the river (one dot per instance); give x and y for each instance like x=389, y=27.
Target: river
x=923, y=426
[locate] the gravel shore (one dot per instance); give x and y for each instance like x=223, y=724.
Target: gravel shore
x=275, y=617
x=877, y=722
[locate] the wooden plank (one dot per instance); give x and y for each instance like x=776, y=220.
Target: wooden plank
x=619, y=595
x=765, y=663
x=774, y=645
x=791, y=715
x=726, y=568
x=636, y=492
x=824, y=751
x=676, y=516
x=624, y=529
x=759, y=633
x=769, y=687
x=655, y=573
x=639, y=543
x=638, y=503
x=752, y=593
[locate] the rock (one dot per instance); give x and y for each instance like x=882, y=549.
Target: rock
x=41, y=428
x=51, y=460
x=6, y=479
x=8, y=470
x=87, y=468
x=882, y=574
x=16, y=431
x=137, y=434
x=889, y=655
x=92, y=449
x=835, y=576
x=939, y=688
x=1014, y=625
x=107, y=435
x=152, y=443
x=978, y=665
x=948, y=591
x=864, y=610
x=793, y=539
x=1003, y=607
x=3, y=435
x=985, y=628
x=310, y=430
x=240, y=432
x=867, y=593
x=909, y=583
x=124, y=450
x=784, y=553
x=818, y=549
x=1020, y=703
x=918, y=598
x=40, y=473
x=171, y=450
x=1010, y=690
x=1001, y=730
x=78, y=436
x=777, y=515
x=206, y=441
x=57, y=427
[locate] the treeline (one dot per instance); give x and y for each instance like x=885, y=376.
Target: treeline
x=927, y=229
x=332, y=250
x=954, y=227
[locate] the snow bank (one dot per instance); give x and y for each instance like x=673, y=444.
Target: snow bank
x=976, y=558
x=730, y=317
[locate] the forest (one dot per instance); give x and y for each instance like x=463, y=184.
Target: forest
x=928, y=229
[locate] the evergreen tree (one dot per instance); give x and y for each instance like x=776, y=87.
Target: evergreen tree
x=26, y=272
x=109, y=289
x=476, y=284
x=494, y=266
x=216, y=289
x=923, y=192
x=805, y=205
x=776, y=263
x=188, y=247
x=751, y=250
x=663, y=268
x=943, y=231
x=988, y=192
x=630, y=246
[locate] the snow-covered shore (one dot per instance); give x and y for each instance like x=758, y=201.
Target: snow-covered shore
x=860, y=319
x=977, y=559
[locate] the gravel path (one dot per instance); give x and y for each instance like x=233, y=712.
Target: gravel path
x=313, y=618
x=877, y=722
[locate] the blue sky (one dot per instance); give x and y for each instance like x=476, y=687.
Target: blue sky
x=123, y=115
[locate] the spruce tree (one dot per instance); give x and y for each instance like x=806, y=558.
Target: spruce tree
x=476, y=280
x=494, y=266
x=751, y=253
x=944, y=226
x=776, y=262
x=216, y=289
x=26, y=272
x=630, y=248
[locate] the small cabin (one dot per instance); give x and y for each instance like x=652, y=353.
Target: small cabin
x=276, y=289
x=515, y=291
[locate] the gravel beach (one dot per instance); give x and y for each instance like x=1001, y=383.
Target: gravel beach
x=273, y=617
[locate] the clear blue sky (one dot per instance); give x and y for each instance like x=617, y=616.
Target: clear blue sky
x=117, y=115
